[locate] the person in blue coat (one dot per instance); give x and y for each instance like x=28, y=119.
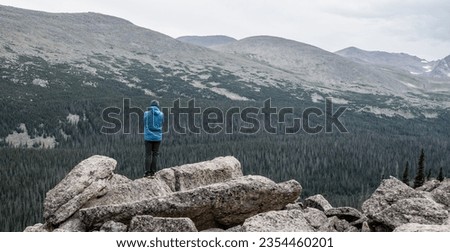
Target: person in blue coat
x=153, y=123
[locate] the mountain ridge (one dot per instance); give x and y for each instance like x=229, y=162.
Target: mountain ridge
x=410, y=63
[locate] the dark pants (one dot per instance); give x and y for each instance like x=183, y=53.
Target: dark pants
x=151, y=157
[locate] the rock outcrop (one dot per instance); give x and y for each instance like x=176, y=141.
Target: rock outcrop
x=190, y=176
x=215, y=196
x=210, y=194
x=394, y=203
x=222, y=204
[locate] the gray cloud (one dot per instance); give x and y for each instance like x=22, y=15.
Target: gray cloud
x=428, y=19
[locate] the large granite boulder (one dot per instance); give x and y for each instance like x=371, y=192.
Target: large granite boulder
x=389, y=192
x=278, y=221
x=133, y=190
x=84, y=182
x=180, y=178
x=441, y=194
x=412, y=210
x=189, y=176
x=224, y=204
x=394, y=204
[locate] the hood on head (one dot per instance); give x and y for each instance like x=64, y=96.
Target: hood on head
x=154, y=103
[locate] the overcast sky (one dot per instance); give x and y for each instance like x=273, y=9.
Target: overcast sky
x=418, y=27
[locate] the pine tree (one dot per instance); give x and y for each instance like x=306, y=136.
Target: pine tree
x=429, y=175
x=405, y=177
x=419, y=180
x=441, y=175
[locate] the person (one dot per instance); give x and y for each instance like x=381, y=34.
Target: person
x=153, y=123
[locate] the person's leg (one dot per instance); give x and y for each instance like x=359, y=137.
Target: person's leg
x=148, y=156
x=155, y=154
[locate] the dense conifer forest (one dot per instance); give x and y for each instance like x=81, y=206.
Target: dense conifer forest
x=344, y=167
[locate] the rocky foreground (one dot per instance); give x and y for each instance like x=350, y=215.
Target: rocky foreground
x=216, y=196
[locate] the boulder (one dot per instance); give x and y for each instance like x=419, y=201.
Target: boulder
x=415, y=227
x=181, y=178
x=315, y=217
x=221, y=205
x=112, y=226
x=441, y=196
x=317, y=201
x=277, y=221
x=84, y=182
x=72, y=206
x=388, y=193
x=189, y=176
x=39, y=227
x=137, y=190
x=73, y=224
x=411, y=210
x=334, y=224
x=148, y=223
x=429, y=186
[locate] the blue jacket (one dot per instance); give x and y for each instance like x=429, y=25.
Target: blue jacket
x=153, y=123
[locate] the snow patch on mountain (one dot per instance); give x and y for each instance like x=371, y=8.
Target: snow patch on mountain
x=387, y=112
x=339, y=101
x=149, y=92
x=198, y=84
x=430, y=115
x=40, y=82
x=89, y=84
x=316, y=98
x=428, y=68
x=228, y=94
x=409, y=85
x=23, y=139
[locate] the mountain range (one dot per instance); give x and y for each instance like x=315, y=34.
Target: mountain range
x=76, y=55
x=59, y=73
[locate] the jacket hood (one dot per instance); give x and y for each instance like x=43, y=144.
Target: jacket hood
x=154, y=103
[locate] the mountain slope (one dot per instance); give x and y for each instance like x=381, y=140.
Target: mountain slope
x=442, y=69
x=96, y=46
x=434, y=71
x=207, y=41
x=407, y=62
x=318, y=66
